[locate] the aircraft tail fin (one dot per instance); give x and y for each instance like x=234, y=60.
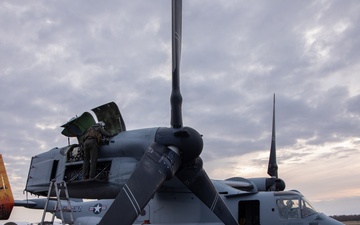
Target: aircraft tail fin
x=6, y=196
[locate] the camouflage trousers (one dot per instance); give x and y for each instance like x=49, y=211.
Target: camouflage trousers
x=90, y=158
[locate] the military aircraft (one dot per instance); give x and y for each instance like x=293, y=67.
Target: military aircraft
x=253, y=201
x=156, y=175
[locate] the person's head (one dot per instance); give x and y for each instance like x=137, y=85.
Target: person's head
x=289, y=203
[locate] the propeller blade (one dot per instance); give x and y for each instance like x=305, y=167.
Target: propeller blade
x=195, y=178
x=176, y=98
x=158, y=164
x=273, y=167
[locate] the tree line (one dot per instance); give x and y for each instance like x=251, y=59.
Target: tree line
x=346, y=217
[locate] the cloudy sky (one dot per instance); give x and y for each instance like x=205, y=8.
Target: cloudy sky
x=61, y=58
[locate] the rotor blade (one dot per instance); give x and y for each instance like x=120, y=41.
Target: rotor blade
x=158, y=164
x=176, y=98
x=195, y=178
x=273, y=167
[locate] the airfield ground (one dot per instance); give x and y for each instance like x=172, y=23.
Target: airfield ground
x=352, y=223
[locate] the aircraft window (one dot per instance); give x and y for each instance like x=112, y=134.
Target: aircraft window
x=288, y=208
x=306, y=208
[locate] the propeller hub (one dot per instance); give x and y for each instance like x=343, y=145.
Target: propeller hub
x=186, y=139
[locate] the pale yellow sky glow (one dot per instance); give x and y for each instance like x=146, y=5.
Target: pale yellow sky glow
x=319, y=175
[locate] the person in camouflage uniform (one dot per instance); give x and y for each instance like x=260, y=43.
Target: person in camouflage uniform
x=92, y=140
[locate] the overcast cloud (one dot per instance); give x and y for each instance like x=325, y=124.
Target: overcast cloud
x=61, y=58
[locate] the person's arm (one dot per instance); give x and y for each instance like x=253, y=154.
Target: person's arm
x=104, y=132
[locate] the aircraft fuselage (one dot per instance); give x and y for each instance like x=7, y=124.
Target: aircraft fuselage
x=184, y=208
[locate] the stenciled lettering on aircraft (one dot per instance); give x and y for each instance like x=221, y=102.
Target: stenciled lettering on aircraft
x=74, y=208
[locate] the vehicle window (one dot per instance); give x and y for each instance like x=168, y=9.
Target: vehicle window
x=288, y=208
x=306, y=208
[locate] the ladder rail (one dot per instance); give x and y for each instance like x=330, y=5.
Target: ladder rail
x=58, y=203
x=47, y=202
x=69, y=207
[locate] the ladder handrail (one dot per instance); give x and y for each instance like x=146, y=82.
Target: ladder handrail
x=47, y=202
x=69, y=202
